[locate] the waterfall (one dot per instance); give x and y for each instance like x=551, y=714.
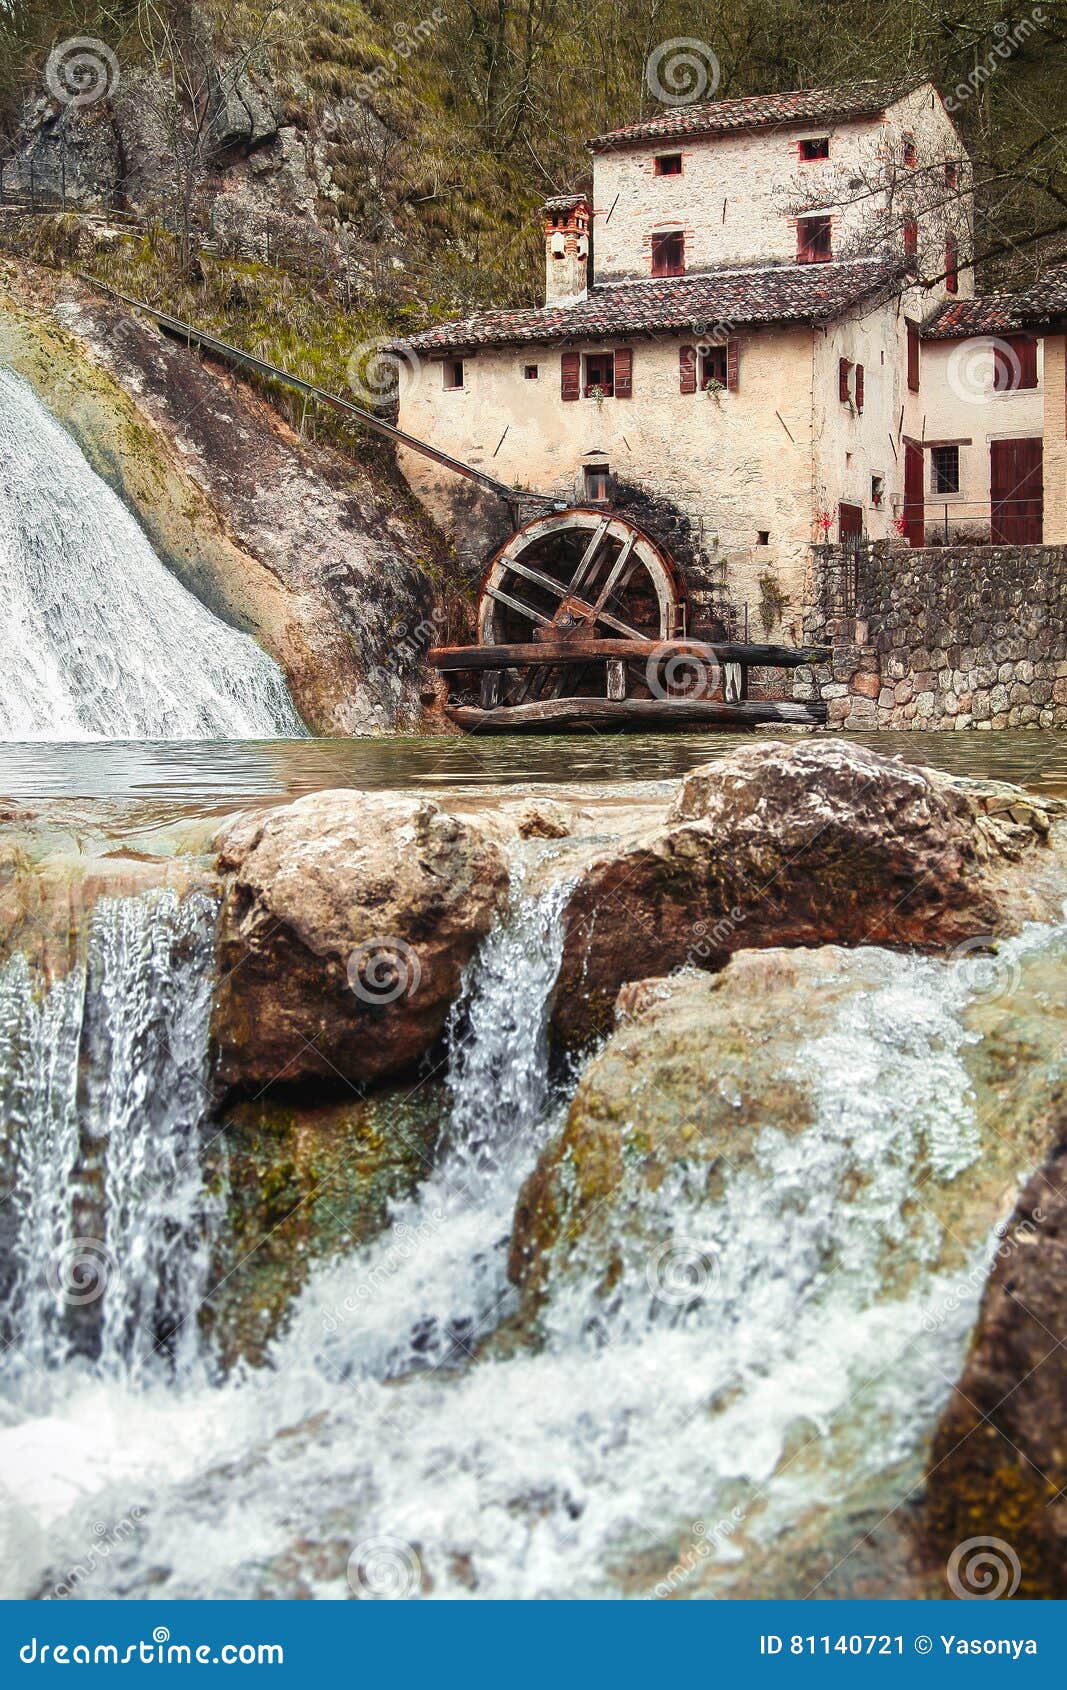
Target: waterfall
x=103, y=1086
x=97, y=639
x=439, y=1273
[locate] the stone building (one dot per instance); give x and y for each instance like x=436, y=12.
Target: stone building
x=751, y=337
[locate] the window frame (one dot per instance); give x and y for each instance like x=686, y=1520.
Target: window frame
x=719, y=353
x=452, y=365
x=607, y=386
x=659, y=242
x=531, y=372
x=936, y=490
x=909, y=151
x=813, y=141
x=822, y=225
x=662, y=159
x=603, y=474
x=910, y=230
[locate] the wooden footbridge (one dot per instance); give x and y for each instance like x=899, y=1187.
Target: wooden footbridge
x=582, y=616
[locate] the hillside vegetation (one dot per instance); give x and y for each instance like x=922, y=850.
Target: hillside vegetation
x=438, y=133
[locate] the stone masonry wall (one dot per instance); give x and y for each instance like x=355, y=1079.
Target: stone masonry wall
x=942, y=638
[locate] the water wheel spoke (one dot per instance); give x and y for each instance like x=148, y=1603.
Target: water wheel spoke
x=589, y=556
x=625, y=562
x=526, y=610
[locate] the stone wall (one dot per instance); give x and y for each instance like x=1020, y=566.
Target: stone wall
x=941, y=638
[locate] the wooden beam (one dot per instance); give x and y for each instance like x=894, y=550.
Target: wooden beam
x=562, y=590
x=453, y=658
x=589, y=555
x=641, y=713
x=514, y=604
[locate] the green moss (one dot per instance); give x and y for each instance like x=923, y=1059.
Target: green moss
x=305, y=1185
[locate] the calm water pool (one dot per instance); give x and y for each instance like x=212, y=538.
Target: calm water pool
x=208, y=772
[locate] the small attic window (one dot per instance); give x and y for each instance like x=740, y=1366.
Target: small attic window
x=814, y=149
x=668, y=254
x=952, y=176
x=530, y=372
x=908, y=150
x=597, y=482
x=668, y=164
x=453, y=374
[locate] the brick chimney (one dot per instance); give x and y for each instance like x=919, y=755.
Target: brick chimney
x=567, y=220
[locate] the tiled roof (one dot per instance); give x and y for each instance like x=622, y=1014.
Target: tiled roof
x=565, y=202
x=762, y=111
x=785, y=293
x=990, y=314
x=1045, y=303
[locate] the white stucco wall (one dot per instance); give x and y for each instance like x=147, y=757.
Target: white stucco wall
x=735, y=464
x=959, y=404
x=737, y=195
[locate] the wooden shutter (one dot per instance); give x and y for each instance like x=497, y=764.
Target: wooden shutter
x=687, y=369
x=570, y=369
x=624, y=373
x=913, y=357
x=859, y=387
x=1026, y=351
x=844, y=371
x=733, y=364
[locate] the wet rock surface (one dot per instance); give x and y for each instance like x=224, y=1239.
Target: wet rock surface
x=999, y=1462
x=808, y=843
x=346, y=925
x=304, y=1183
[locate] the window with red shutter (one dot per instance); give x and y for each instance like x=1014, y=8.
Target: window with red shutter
x=844, y=380
x=733, y=364
x=813, y=240
x=1014, y=363
x=687, y=369
x=911, y=238
x=668, y=254
x=859, y=387
x=952, y=269
x=570, y=369
x=624, y=373
x=913, y=357
x=600, y=375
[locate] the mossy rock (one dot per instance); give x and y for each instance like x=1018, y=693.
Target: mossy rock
x=305, y=1183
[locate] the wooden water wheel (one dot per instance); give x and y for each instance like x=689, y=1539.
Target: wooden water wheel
x=563, y=584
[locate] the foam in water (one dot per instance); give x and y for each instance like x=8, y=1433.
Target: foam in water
x=592, y=1466
x=97, y=639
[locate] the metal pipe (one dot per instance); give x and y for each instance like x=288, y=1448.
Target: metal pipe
x=211, y=343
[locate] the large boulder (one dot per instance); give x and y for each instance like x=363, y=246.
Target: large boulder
x=995, y=1516
x=347, y=922
x=807, y=843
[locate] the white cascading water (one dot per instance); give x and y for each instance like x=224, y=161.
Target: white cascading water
x=632, y=1436
x=103, y=1086
x=97, y=639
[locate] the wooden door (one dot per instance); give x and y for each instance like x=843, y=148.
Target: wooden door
x=1016, y=493
x=914, y=513
x=849, y=522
